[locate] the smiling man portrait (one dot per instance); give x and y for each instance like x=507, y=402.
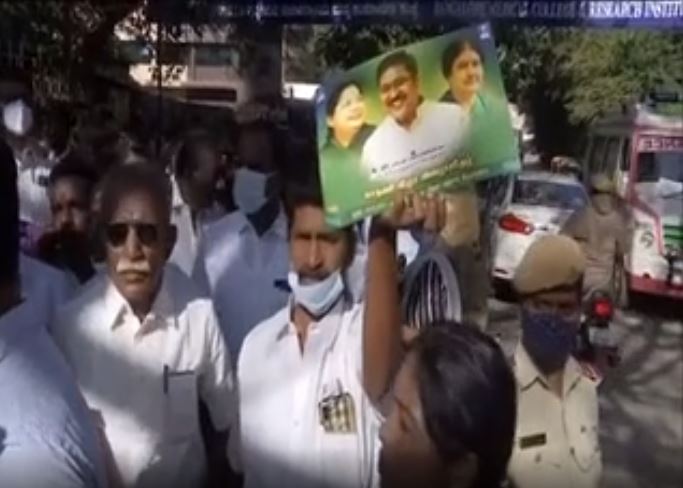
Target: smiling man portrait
x=416, y=134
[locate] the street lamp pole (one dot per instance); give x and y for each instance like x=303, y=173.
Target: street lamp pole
x=160, y=105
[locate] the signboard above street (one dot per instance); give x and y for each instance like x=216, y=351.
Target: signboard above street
x=597, y=13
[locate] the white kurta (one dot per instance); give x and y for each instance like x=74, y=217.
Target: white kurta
x=245, y=273
x=145, y=380
x=284, y=443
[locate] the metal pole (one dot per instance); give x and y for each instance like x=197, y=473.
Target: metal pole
x=160, y=105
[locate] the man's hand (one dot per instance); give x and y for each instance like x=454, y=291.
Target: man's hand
x=411, y=210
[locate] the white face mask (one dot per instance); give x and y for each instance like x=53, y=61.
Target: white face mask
x=249, y=190
x=318, y=297
x=17, y=118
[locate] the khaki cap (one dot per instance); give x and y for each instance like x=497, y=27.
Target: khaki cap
x=550, y=262
x=602, y=183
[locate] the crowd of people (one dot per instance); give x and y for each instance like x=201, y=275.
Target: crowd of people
x=200, y=324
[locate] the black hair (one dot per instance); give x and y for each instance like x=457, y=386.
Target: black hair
x=299, y=194
x=398, y=58
x=193, y=143
x=73, y=167
x=9, y=216
x=132, y=178
x=468, y=395
x=309, y=194
x=336, y=92
x=455, y=49
x=277, y=138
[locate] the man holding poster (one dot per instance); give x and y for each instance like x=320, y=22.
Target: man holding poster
x=417, y=134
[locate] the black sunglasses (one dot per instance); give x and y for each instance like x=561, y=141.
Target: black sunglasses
x=117, y=233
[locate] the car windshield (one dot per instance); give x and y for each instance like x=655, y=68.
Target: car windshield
x=655, y=166
x=548, y=194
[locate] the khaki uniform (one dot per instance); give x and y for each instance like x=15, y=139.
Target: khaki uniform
x=603, y=237
x=462, y=234
x=556, y=440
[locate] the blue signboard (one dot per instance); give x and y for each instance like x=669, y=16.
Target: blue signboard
x=588, y=13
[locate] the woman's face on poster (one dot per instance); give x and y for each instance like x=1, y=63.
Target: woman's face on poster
x=350, y=111
x=467, y=73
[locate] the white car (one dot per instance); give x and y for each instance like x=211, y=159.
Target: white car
x=537, y=203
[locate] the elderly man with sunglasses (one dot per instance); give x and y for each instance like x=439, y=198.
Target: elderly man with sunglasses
x=144, y=346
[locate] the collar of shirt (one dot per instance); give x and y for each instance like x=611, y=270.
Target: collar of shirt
x=328, y=323
x=176, y=197
x=57, y=158
x=204, y=216
x=527, y=373
x=278, y=227
x=116, y=307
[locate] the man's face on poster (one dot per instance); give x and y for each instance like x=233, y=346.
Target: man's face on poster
x=400, y=93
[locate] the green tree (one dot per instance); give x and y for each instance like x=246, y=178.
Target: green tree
x=58, y=40
x=607, y=69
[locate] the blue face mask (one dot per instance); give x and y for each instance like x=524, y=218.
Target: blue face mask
x=549, y=339
x=249, y=190
x=317, y=297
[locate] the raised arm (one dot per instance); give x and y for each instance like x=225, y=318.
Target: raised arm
x=382, y=339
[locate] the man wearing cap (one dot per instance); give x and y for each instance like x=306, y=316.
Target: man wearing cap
x=604, y=230
x=556, y=440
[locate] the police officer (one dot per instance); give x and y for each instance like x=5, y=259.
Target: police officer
x=604, y=230
x=462, y=241
x=556, y=439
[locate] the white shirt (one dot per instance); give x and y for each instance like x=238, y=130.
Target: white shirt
x=33, y=172
x=280, y=389
x=47, y=287
x=186, y=249
x=146, y=379
x=47, y=437
x=241, y=269
x=556, y=439
x=393, y=152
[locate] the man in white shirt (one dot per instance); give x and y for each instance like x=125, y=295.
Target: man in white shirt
x=417, y=134
x=49, y=288
x=33, y=164
x=67, y=245
x=47, y=438
x=144, y=345
x=245, y=254
x=196, y=173
x=311, y=376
